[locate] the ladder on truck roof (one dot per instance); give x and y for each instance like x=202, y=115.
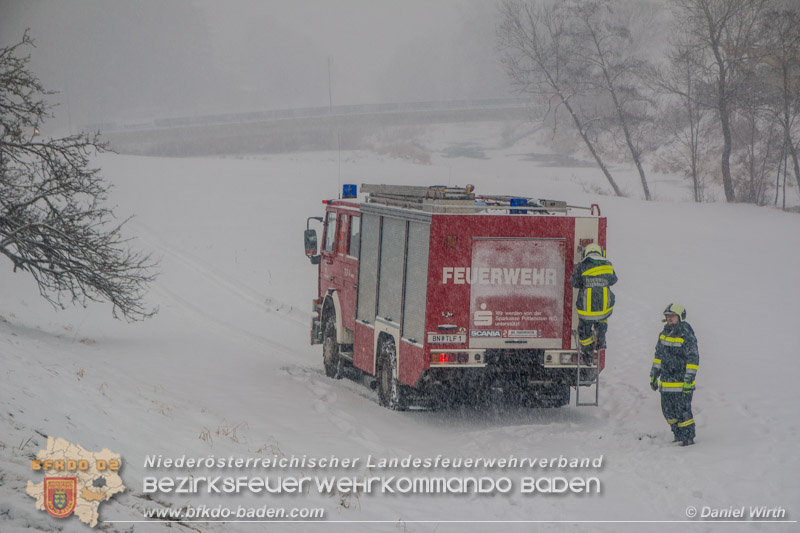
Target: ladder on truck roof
x=433, y=192
x=441, y=198
x=433, y=199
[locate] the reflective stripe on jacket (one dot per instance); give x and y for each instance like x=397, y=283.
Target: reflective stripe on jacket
x=677, y=357
x=592, y=277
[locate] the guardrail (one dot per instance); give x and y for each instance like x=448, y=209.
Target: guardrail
x=310, y=112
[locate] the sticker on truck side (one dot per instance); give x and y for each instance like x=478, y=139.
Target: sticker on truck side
x=505, y=333
x=523, y=333
x=485, y=333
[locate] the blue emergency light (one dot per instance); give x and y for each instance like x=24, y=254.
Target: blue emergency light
x=518, y=202
x=349, y=190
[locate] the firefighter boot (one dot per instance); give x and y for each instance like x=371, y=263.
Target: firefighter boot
x=676, y=437
x=685, y=435
x=686, y=429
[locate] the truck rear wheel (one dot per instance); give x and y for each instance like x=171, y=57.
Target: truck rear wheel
x=330, y=351
x=391, y=393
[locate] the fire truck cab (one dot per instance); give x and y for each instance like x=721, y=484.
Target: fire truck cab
x=437, y=292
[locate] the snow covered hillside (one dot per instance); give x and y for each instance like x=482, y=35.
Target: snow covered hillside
x=225, y=368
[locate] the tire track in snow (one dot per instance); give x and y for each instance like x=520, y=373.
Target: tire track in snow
x=325, y=397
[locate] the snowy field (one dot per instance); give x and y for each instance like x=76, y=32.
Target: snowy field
x=225, y=368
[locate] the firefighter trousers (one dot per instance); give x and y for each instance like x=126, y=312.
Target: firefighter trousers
x=677, y=409
x=587, y=337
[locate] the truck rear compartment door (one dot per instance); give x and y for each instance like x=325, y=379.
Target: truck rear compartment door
x=517, y=292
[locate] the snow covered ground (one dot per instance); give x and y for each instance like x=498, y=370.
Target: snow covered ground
x=225, y=367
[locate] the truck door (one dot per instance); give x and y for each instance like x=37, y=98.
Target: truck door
x=339, y=266
x=516, y=292
x=330, y=270
x=351, y=239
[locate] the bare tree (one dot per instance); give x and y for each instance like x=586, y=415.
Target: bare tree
x=728, y=29
x=53, y=223
x=782, y=57
x=539, y=57
x=603, y=43
x=681, y=80
x=757, y=140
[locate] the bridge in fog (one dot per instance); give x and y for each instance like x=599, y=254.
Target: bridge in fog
x=308, y=129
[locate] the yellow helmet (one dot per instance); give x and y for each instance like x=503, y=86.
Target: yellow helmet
x=676, y=309
x=593, y=249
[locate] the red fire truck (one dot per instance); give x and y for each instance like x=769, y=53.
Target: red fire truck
x=436, y=292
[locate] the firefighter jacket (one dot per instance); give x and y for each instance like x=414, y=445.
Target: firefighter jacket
x=592, y=277
x=677, y=358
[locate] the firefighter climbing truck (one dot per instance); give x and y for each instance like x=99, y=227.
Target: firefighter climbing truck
x=439, y=293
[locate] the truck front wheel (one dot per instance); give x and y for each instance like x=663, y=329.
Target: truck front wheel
x=391, y=393
x=330, y=350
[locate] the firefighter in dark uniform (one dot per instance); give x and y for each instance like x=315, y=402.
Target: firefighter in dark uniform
x=592, y=277
x=676, y=360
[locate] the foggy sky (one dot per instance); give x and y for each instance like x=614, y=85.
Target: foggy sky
x=135, y=60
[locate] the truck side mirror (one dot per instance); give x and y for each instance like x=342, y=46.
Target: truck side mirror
x=310, y=238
